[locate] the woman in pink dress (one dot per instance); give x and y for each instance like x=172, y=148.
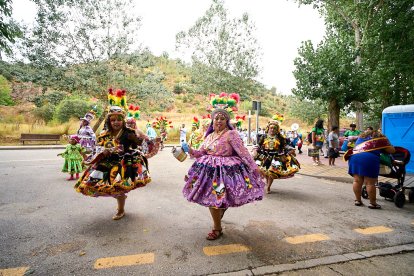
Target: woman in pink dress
x=224, y=173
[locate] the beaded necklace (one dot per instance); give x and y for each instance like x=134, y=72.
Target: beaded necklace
x=214, y=137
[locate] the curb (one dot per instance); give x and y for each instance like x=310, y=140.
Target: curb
x=334, y=259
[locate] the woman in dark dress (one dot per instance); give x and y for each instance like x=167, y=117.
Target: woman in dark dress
x=364, y=164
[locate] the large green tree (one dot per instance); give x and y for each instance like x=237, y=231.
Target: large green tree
x=380, y=32
x=76, y=43
x=9, y=29
x=224, y=51
x=328, y=72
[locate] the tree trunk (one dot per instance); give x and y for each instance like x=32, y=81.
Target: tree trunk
x=100, y=120
x=358, y=112
x=333, y=119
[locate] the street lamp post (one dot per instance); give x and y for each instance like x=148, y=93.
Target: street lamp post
x=249, y=120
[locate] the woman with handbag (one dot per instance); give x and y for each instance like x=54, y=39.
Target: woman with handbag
x=364, y=164
x=318, y=138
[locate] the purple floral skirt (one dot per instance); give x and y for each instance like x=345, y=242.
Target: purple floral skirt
x=222, y=182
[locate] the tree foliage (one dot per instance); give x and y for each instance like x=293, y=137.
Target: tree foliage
x=73, y=43
x=374, y=40
x=224, y=51
x=306, y=110
x=83, y=31
x=5, y=90
x=9, y=29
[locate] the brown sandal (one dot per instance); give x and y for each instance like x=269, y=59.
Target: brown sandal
x=118, y=216
x=213, y=234
x=358, y=203
x=374, y=206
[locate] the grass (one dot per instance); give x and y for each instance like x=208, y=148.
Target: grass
x=10, y=132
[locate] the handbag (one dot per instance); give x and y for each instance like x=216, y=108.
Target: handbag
x=313, y=152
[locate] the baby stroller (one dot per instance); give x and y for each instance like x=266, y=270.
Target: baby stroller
x=396, y=170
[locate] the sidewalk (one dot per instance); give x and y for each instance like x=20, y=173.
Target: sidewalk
x=339, y=172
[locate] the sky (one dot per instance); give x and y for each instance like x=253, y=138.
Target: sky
x=281, y=27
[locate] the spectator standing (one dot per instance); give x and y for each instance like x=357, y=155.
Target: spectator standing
x=333, y=145
x=352, y=134
x=183, y=134
x=364, y=164
x=318, y=137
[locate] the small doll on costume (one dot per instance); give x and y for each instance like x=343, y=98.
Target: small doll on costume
x=162, y=123
x=196, y=136
x=74, y=154
x=149, y=147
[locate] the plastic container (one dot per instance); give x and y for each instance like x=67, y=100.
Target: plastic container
x=398, y=126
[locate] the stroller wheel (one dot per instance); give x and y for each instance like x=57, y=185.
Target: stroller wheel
x=411, y=196
x=364, y=192
x=399, y=199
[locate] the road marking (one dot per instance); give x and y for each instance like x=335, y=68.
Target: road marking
x=225, y=249
x=307, y=238
x=138, y=259
x=373, y=230
x=17, y=271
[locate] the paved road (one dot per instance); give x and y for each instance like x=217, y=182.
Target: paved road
x=47, y=228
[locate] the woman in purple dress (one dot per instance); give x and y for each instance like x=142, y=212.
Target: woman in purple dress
x=86, y=134
x=224, y=173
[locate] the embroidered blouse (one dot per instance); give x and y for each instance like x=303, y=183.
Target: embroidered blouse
x=226, y=145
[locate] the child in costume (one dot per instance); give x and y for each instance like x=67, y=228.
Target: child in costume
x=74, y=155
x=87, y=137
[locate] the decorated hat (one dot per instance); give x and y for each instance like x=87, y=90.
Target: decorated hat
x=278, y=118
x=74, y=137
x=162, y=122
x=117, y=102
x=89, y=116
x=206, y=120
x=133, y=112
x=196, y=122
x=224, y=103
x=239, y=120
x=116, y=110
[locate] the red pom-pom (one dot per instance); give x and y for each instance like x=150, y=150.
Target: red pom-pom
x=119, y=93
x=235, y=96
x=223, y=94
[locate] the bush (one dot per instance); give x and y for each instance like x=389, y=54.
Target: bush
x=178, y=89
x=45, y=112
x=53, y=97
x=5, y=90
x=72, y=108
